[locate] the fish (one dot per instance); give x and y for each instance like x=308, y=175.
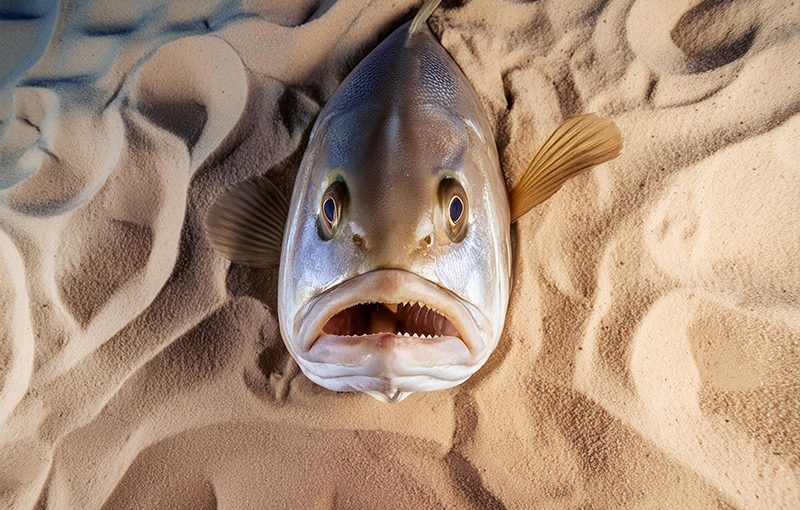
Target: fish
x=394, y=252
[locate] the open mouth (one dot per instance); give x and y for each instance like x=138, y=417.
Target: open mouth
x=388, y=332
x=415, y=320
x=390, y=315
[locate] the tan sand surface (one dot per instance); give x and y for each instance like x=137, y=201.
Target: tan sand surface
x=651, y=356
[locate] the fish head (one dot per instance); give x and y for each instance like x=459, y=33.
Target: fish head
x=394, y=252
x=394, y=271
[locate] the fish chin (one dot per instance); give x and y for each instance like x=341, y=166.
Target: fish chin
x=389, y=333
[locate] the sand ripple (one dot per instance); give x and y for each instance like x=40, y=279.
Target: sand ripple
x=650, y=355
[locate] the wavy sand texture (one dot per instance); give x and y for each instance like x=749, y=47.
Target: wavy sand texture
x=651, y=350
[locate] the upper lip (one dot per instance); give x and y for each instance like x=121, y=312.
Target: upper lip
x=387, y=286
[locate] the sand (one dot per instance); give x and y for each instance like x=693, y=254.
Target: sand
x=651, y=352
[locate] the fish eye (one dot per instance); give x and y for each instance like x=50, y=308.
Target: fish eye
x=455, y=208
x=330, y=209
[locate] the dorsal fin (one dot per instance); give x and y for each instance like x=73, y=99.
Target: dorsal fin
x=422, y=16
x=577, y=144
x=246, y=223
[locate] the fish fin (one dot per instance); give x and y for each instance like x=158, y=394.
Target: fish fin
x=578, y=144
x=245, y=224
x=422, y=15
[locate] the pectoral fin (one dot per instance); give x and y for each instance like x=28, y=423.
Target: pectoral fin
x=578, y=144
x=245, y=225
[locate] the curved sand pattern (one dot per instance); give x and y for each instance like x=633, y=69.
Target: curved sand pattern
x=651, y=350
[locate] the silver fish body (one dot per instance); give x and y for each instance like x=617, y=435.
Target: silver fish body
x=394, y=252
x=404, y=120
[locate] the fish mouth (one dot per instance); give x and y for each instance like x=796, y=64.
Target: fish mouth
x=411, y=320
x=390, y=328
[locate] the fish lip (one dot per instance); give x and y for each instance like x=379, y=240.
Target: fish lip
x=390, y=286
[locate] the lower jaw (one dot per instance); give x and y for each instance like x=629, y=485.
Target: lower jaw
x=386, y=366
x=389, y=355
x=382, y=387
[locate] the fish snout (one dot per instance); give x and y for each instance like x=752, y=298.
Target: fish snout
x=399, y=247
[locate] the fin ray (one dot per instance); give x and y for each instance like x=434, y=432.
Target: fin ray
x=577, y=145
x=246, y=224
x=422, y=15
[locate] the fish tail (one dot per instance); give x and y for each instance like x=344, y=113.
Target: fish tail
x=422, y=16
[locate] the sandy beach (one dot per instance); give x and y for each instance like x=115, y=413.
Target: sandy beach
x=651, y=349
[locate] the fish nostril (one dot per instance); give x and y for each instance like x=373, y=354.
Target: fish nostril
x=426, y=241
x=358, y=240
